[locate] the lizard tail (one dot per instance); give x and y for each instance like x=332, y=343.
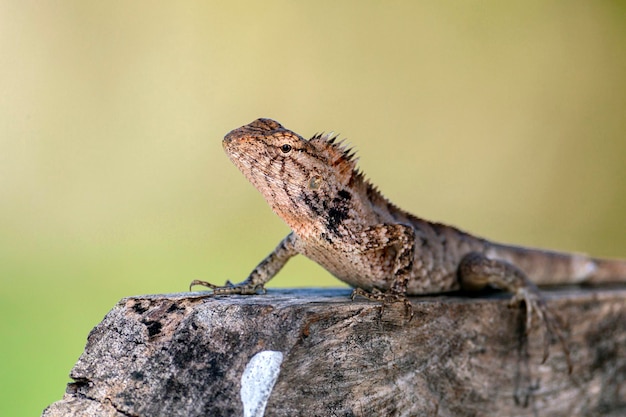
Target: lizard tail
x=553, y=268
x=607, y=271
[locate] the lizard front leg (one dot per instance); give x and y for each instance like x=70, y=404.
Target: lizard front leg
x=264, y=271
x=477, y=271
x=402, y=238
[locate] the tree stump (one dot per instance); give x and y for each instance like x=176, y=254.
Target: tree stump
x=313, y=352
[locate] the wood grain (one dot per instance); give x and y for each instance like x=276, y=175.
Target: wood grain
x=176, y=355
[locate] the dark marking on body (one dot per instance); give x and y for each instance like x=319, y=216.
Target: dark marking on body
x=345, y=194
x=338, y=211
x=312, y=202
x=336, y=216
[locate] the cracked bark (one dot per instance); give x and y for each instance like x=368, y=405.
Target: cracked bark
x=172, y=355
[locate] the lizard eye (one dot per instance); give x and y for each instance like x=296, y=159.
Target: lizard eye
x=286, y=148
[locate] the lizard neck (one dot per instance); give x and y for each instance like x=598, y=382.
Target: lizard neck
x=320, y=208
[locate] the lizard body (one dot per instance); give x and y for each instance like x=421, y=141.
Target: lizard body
x=341, y=221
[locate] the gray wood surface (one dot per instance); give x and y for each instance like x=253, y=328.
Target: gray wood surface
x=175, y=355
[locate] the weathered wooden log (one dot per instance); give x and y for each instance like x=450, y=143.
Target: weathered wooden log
x=316, y=353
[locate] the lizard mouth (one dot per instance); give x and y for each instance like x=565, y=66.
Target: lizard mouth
x=227, y=144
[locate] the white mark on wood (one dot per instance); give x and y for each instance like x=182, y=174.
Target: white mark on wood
x=257, y=381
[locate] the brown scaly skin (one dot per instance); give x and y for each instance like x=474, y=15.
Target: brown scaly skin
x=341, y=221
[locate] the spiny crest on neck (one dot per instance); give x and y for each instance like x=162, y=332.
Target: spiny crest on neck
x=337, y=153
x=344, y=159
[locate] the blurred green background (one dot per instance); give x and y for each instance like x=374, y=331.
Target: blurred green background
x=508, y=120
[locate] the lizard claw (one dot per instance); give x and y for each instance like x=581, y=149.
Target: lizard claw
x=199, y=282
x=535, y=305
x=386, y=298
x=243, y=288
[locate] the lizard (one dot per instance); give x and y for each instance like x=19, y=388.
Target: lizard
x=340, y=220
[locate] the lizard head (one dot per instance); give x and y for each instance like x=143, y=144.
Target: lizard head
x=301, y=179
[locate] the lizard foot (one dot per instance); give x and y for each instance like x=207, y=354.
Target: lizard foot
x=535, y=305
x=386, y=298
x=476, y=271
x=243, y=288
